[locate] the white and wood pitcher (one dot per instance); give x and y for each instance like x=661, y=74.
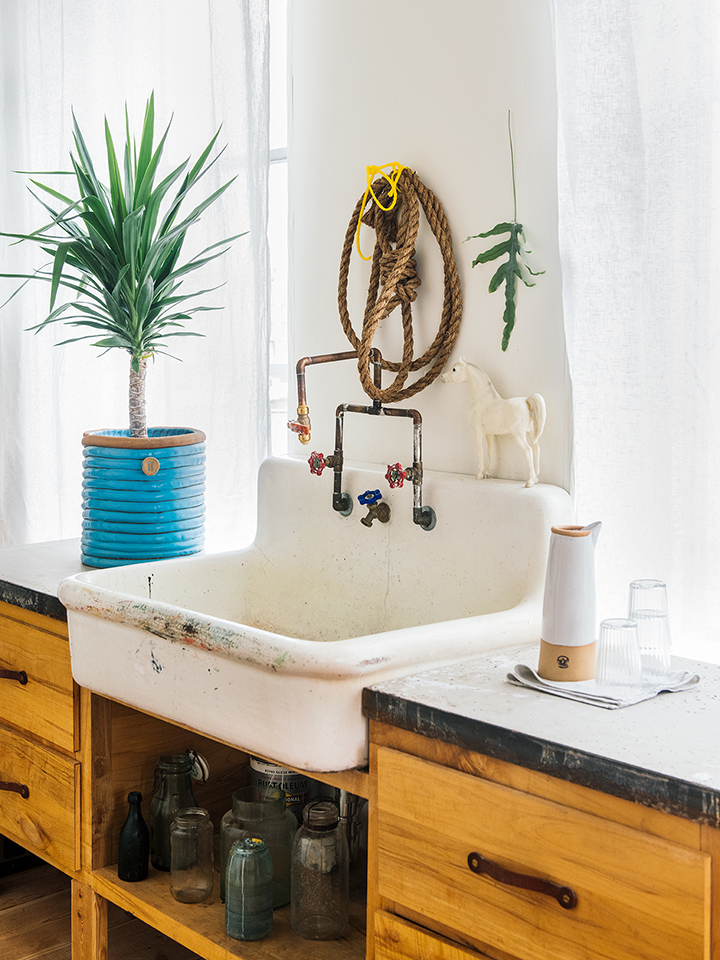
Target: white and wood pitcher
x=567, y=644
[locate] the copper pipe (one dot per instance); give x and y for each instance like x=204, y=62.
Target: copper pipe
x=302, y=424
x=308, y=361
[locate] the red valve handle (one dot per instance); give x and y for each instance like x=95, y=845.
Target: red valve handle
x=317, y=463
x=395, y=475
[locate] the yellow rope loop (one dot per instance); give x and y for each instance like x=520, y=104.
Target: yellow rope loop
x=392, y=178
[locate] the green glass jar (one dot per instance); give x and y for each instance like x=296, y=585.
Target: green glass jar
x=261, y=812
x=249, y=905
x=173, y=792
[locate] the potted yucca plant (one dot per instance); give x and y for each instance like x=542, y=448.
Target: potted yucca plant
x=117, y=247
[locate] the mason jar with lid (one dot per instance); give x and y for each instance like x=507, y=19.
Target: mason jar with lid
x=173, y=792
x=320, y=874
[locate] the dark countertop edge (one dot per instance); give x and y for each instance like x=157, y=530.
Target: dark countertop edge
x=614, y=777
x=27, y=599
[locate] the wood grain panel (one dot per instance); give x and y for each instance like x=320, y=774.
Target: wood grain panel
x=647, y=819
x=47, y=704
x=639, y=897
x=89, y=924
x=44, y=822
x=397, y=939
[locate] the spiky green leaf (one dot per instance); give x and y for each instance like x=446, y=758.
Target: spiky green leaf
x=117, y=248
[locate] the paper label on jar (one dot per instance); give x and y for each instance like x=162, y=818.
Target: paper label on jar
x=297, y=786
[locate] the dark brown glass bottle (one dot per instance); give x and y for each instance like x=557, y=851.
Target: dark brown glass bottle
x=134, y=845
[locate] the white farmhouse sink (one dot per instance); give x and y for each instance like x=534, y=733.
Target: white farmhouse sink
x=269, y=647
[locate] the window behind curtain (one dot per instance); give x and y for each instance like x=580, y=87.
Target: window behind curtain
x=208, y=65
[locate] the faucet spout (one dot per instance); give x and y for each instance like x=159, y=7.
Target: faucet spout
x=376, y=511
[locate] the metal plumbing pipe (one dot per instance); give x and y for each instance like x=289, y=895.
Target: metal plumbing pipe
x=302, y=425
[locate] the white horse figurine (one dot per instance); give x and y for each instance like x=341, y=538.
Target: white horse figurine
x=491, y=416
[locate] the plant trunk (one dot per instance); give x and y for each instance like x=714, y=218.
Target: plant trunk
x=138, y=419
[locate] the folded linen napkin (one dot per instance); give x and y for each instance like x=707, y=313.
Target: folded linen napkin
x=589, y=691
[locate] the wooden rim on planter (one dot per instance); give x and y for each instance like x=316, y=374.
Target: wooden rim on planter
x=182, y=438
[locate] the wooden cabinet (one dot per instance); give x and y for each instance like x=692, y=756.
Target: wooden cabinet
x=641, y=881
x=121, y=748
x=644, y=883
x=39, y=738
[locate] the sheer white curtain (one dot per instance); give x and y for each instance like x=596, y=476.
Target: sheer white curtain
x=639, y=225
x=208, y=65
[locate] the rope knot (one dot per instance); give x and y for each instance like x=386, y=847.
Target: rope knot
x=406, y=282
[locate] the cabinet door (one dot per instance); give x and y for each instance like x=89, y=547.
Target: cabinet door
x=41, y=791
x=45, y=705
x=638, y=897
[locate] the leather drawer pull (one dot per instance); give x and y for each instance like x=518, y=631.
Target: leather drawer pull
x=565, y=896
x=15, y=788
x=18, y=675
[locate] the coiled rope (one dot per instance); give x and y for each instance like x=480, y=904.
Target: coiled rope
x=394, y=281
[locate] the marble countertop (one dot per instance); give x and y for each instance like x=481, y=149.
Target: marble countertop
x=30, y=574
x=664, y=753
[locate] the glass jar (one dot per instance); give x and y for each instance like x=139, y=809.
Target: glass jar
x=320, y=874
x=172, y=792
x=249, y=903
x=261, y=812
x=191, y=855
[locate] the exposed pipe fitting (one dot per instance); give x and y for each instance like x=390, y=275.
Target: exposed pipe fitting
x=423, y=516
x=301, y=425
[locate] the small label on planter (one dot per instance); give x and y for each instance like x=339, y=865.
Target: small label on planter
x=150, y=466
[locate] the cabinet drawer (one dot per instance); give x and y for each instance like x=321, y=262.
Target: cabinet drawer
x=44, y=820
x=396, y=939
x=46, y=705
x=639, y=897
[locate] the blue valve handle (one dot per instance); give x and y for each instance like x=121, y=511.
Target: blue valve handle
x=369, y=497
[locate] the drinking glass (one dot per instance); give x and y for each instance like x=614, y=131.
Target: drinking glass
x=648, y=608
x=619, y=667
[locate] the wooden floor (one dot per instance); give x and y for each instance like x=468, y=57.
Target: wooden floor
x=35, y=922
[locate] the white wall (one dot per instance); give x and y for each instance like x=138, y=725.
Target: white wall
x=429, y=85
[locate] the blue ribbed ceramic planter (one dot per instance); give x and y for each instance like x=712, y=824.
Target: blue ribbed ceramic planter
x=143, y=499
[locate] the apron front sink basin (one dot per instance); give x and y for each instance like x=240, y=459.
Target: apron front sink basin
x=268, y=648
